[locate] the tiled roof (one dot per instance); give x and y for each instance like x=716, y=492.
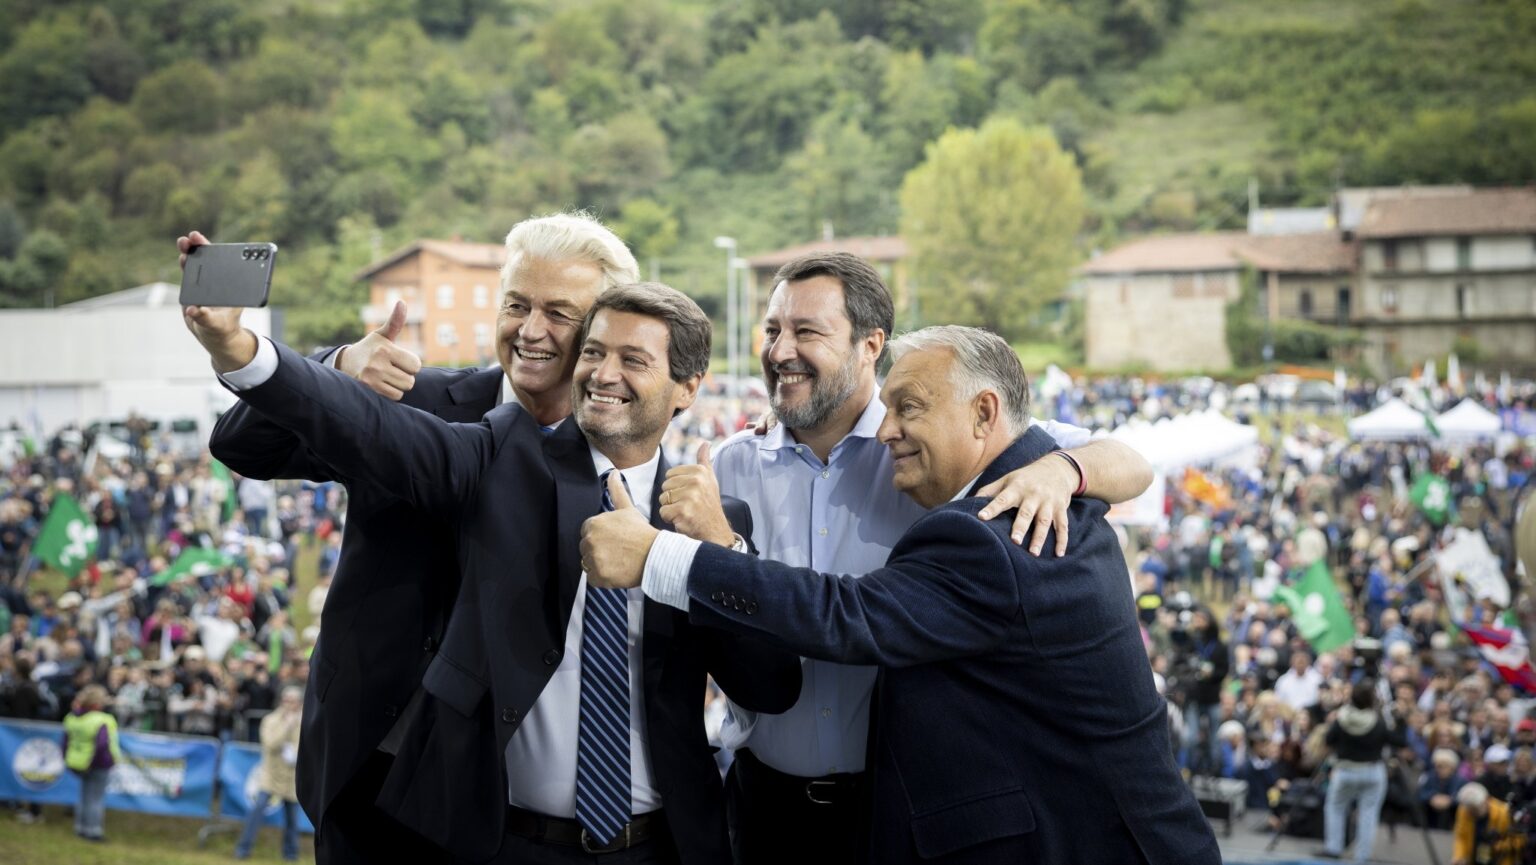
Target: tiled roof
x=1480, y=211
x=1171, y=253
x=491, y=255
x=890, y=248
x=1317, y=252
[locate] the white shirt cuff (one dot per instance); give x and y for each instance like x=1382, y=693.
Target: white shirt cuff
x=262, y=367
x=1066, y=435
x=665, y=579
x=334, y=356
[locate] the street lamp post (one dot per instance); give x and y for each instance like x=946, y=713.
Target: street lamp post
x=746, y=314
x=729, y=245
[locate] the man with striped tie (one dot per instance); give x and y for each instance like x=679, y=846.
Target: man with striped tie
x=389, y=605
x=557, y=722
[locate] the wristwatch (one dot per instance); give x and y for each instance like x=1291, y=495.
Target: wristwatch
x=739, y=544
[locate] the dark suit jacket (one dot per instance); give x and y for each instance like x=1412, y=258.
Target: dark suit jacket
x=518, y=500
x=1017, y=720
x=383, y=619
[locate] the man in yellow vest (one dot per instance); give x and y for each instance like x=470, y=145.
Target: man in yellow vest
x=90, y=751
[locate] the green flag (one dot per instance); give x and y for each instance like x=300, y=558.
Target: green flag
x=1432, y=495
x=220, y=473
x=189, y=560
x=68, y=539
x=1317, y=609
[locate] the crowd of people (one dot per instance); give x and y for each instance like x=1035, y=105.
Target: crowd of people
x=209, y=652
x=206, y=651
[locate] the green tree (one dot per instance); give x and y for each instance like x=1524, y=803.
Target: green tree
x=991, y=220
x=650, y=229
x=1029, y=42
x=282, y=72
x=45, y=72
x=614, y=161
x=186, y=96
x=372, y=130
x=842, y=179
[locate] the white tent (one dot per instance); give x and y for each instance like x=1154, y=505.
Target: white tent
x=1469, y=421
x=1393, y=420
x=1198, y=438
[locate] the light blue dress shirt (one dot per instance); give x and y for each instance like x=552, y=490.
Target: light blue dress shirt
x=843, y=517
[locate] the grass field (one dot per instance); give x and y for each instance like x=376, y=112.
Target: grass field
x=132, y=839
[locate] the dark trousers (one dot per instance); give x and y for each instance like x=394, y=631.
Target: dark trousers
x=776, y=819
x=355, y=832
x=518, y=850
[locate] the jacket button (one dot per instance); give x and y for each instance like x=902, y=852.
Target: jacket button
x=429, y=643
x=740, y=604
x=751, y=607
x=717, y=597
x=391, y=711
x=509, y=716
x=551, y=657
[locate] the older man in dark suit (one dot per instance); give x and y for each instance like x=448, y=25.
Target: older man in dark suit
x=1017, y=718
x=396, y=581
x=558, y=722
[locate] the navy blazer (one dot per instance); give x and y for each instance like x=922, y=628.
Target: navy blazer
x=517, y=500
x=1016, y=715
x=383, y=621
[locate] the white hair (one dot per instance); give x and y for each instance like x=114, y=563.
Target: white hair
x=1445, y=756
x=983, y=361
x=1473, y=795
x=577, y=236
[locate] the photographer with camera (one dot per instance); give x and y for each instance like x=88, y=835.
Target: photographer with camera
x=1204, y=662
x=1484, y=833
x=1357, y=736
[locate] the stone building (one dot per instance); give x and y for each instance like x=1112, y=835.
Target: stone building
x=450, y=289
x=1418, y=271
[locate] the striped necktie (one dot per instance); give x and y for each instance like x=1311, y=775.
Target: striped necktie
x=602, y=745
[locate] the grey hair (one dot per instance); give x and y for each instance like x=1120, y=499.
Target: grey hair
x=983, y=361
x=1473, y=795
x=571, y=236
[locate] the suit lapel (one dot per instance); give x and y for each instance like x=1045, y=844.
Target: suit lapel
x=471, y=397
x=657, y=621
x=576, y=498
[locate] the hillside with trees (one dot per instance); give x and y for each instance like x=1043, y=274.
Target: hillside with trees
x=342, y=129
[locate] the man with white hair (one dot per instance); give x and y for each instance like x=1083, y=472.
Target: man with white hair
x=972, y=635
x=396, y=580
x=1484, y=834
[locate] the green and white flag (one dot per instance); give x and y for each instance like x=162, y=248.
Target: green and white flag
x=1318, y=609
x=220, y=473
x=193, y=560
x=68, y=539
x=1431, y=494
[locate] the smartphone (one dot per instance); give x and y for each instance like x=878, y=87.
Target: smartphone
x=228, y=274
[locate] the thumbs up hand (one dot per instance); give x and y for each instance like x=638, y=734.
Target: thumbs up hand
x=375, y=360
x=690, y=501
x=614, y=545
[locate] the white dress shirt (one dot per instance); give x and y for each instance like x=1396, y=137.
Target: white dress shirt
x=843, y=517
x=541, y=757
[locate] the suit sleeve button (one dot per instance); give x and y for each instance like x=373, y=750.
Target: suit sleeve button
x=509, y=716
x=717, y=597
x=751, y=607
x=391, y=711
x=551, y=657
x=429, y=643
x=740, y=604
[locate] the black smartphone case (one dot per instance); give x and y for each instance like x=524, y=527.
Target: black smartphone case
x=228, y=274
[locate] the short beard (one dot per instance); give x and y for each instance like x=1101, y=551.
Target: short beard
x=827, y=396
